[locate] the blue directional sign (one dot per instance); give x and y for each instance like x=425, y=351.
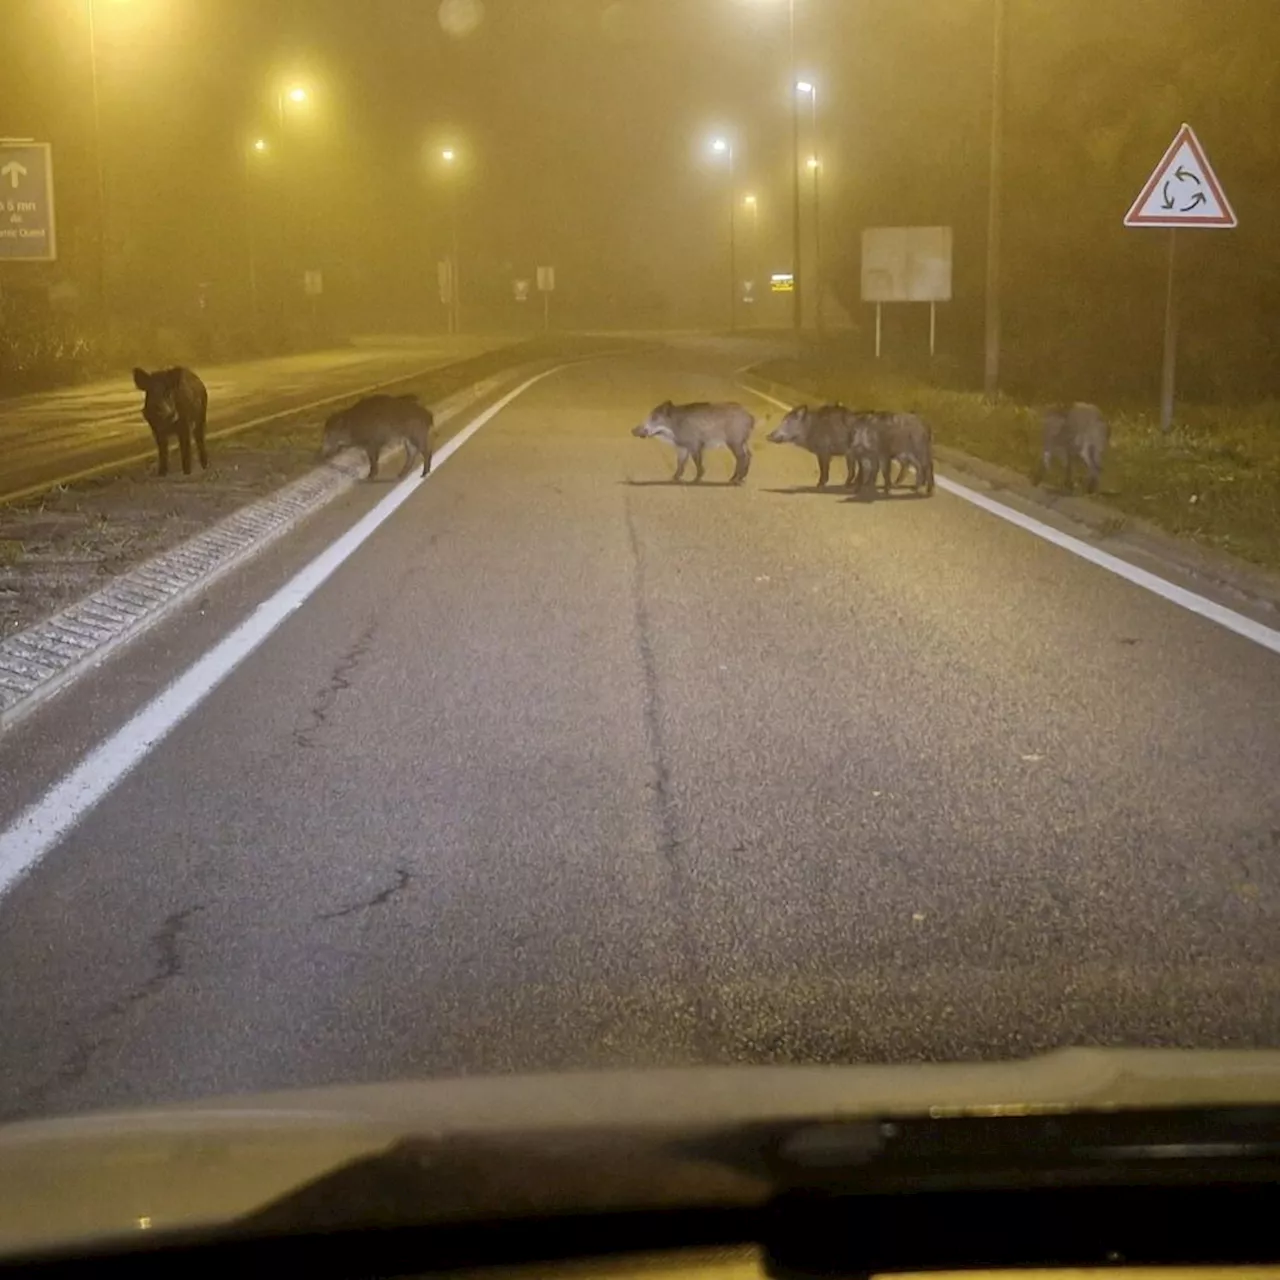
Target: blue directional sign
x=26, y=202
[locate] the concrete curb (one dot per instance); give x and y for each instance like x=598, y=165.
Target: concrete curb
x=1123, y=534
x=45, y=658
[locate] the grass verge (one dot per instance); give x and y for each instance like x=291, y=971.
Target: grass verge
x=1214, y=478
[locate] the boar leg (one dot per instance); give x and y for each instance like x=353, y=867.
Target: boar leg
x=372, y=451
x=201, y=451
x=162, y=453
x=741, y=463
x=682, y=456
x=854, y=475
x=697, y=465
x=184, y=447
x=410, y=453
x=824, y=469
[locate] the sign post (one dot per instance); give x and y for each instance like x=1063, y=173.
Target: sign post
x=1183, y=191
x=27, y=230
x=546, y=286
x=907, y=264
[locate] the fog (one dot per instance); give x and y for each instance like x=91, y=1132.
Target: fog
x=581, y=133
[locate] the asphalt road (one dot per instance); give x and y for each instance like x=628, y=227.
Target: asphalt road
x=568, y=766
x=48, y=437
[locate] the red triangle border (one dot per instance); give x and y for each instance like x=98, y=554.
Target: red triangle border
x=1188, y=135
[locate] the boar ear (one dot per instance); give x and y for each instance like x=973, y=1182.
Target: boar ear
x=141, y=379
x=665, y=407
x=803, y=412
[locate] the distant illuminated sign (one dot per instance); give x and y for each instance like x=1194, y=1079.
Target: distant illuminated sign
x=521, y=288
x=782, y=282
x=906, y=264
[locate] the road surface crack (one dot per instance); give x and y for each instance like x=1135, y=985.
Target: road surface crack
x=403, y=880
x=105, y=1026
x=340, y=680
x=670, y=846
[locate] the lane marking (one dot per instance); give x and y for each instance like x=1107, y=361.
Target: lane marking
x=1258, y=632
x=42, y=825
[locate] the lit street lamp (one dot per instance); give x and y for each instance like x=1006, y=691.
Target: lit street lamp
x=807, y=87
x=450, y=156
x=259, y=147
x=722, y=146
x=295, y=94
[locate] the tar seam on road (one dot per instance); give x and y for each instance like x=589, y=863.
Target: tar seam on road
x=664, y=798
x=104, y=1024
x=1251, y=629
x=37, y=830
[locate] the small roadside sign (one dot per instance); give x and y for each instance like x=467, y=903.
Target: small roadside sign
x=26, y=202
x=546, y=279
x=782, y=282
x=521, y=288
x=1183, y=191
x=312, y=283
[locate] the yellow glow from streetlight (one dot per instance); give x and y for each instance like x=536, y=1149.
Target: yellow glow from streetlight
x=813, y=162
x=448, y=155
x=720, y=145
x=749, y=201
x=260, y=144
x=804, y=86
x=297, y=94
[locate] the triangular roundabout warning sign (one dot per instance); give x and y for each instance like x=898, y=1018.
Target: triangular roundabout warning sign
x=1183, y=191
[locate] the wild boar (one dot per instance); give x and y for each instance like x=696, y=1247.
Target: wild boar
x=694, y=428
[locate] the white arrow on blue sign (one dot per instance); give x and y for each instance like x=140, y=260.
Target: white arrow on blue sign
x=27, y=228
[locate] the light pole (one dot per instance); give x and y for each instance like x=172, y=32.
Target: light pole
x=259, y=147
x=815, y=168
x=752, y=205
x=292, y=95
x=797, y=315
x=991, y=357
x=724, y=147
x=99, y=161
x=450, y=157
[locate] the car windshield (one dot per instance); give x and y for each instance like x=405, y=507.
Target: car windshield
x=542, y=535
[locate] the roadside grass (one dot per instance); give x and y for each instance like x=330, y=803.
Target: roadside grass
x=1214, y=478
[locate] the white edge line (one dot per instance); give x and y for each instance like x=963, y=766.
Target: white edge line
x=91, y=661
x=39, y=828
x=1251, y=629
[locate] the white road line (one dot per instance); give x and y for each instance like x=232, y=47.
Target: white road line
x=1258, y=632
x=39, y=828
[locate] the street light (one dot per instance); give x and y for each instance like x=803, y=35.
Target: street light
x=295, y=94
x=722, y=146
x=808, y=89
x=752, y=205
x=258, y=147
x=449, y=156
